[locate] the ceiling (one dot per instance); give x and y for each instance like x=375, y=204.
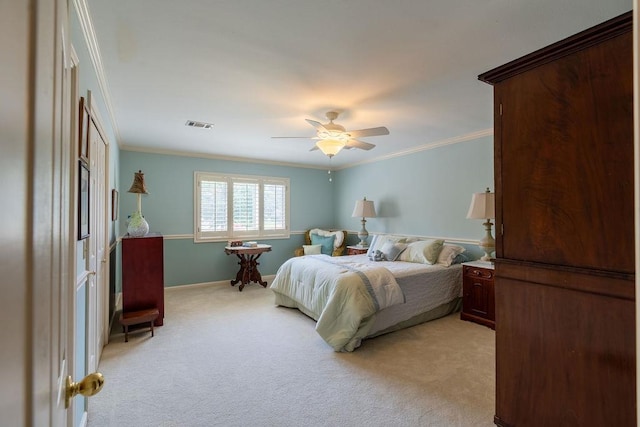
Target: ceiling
x=259, y=68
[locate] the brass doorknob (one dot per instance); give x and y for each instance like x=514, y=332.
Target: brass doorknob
x=90, y=385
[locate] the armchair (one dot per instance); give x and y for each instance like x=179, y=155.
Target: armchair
x=339, y=243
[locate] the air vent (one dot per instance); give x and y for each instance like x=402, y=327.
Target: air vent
x=199, y=125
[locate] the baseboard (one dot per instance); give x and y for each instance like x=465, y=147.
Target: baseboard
x=267, y=278
x=117, y=308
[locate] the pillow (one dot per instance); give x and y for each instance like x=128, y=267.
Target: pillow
x=422, y=251
x=312, y=249
x=448, y=254
x=460, y=258
x=392, y=250
x=339, y=235
x=378, y=241
x=325, y=241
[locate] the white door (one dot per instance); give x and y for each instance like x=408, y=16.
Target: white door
x=38, y=170
x=97, y=310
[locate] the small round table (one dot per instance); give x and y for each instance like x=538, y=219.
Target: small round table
x=248, y=264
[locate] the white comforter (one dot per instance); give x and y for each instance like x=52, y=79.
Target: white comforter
x=341, y=293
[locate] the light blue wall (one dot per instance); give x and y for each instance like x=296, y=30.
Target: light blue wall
x=425, y=193
x=170, y=205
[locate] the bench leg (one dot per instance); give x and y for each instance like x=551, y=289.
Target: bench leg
x=152, y=327
x=126, y=333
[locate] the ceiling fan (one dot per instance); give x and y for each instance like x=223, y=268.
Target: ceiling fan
x=333, y=137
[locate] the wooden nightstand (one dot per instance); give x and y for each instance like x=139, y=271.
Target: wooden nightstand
x=356, y=250
x=478, y=300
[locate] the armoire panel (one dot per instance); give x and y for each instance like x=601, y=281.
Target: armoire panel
x=567, y=160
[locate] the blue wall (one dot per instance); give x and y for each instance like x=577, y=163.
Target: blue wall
x=426, y=193
x=169, y=210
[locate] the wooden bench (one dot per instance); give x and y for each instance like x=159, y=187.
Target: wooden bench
x=137, y=317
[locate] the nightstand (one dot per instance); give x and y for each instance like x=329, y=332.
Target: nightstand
x=356, y=250
x=478, y=300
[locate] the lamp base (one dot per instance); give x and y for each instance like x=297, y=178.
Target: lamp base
x=137, y=226
x=363, y=235
x=487, y=243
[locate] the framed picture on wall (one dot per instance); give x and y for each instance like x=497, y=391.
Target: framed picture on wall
x=83, y=135
x=83, y=200
x=114, y=204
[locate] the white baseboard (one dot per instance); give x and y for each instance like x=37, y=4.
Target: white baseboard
x=267, y=278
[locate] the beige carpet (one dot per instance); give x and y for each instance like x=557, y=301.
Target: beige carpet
x=229, y=358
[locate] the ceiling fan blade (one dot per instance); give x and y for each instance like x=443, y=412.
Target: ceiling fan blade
x=319, y=126
x=369, y=132
x=315, y=147
x=354, y=143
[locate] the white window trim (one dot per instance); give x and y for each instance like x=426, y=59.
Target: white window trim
x=260, y=234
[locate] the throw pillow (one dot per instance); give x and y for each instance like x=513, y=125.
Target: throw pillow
x=448, y=254
x=326, y=243
x=339, y=235
x=392, y=250
x=423, y=251
x=312, y=249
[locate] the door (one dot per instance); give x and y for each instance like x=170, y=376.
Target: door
x=35, y=220
x=97, y=310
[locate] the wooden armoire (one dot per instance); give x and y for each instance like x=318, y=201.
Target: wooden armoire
x=564, y=269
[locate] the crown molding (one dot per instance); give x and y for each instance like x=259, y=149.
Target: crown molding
x=217, y=157
x=82, y=10
x=429, y=146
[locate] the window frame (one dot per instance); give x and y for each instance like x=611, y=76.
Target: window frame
x=229, y=233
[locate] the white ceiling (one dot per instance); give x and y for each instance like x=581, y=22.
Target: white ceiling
x=258, y=68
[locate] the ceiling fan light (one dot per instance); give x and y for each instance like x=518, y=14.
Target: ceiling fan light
x=330, y=147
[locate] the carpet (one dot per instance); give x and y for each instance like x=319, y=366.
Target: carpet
x=229, y=358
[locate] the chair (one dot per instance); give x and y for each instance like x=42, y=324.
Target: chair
x=337, y=251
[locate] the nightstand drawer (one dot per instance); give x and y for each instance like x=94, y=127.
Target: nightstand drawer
x=483, y=273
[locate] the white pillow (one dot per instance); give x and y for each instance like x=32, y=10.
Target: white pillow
x=379, y=240
x=423, y=251
x=312, y=249
x=448, y=254
x=392, y=250
x=324, y=233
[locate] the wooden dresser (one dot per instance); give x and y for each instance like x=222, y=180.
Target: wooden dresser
x=564, y=273
x=143, y=274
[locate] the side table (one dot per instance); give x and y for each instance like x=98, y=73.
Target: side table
x=248, y=257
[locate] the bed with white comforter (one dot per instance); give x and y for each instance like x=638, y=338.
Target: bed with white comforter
x=353, y=297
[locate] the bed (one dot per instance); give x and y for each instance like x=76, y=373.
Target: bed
x=356, y=297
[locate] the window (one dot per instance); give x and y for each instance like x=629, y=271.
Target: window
x=240, y=206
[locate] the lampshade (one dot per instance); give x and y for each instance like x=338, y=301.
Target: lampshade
x=138, y=184
x=330, y=147
x=364, y=209
x=482, y=206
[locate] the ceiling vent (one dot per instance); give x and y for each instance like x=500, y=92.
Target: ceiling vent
x=199, y=125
